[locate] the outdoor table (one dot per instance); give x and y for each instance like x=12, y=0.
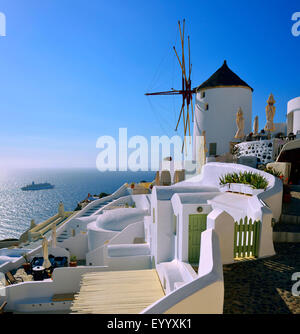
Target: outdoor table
x=38, y=273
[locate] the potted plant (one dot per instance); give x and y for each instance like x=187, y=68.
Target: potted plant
x=248, y=183
x=73, y=261
x=132, y=185
x=26, y=265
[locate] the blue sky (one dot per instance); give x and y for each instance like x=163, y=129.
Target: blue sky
x=71, y=71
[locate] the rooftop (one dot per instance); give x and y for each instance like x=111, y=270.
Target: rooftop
x=223, y=77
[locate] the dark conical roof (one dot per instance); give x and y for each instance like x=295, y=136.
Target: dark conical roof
x=223, y=77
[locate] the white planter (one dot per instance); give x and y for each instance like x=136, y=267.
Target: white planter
x=240, y=188
x=247, y=189
x=224, y=187
x=235, y=187
x=257, y=191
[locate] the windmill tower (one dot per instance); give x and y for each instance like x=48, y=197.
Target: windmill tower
x=218, y=99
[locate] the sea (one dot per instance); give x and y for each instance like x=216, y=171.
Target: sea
x=18, y=207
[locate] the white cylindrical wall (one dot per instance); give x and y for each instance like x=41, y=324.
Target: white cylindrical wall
x=293, y=112
x=219, y=121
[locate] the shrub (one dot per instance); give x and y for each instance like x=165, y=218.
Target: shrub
x=272, y=171
x=253, y=179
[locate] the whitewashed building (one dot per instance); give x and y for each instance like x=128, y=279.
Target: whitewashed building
x=217, y=102
x=293, y=116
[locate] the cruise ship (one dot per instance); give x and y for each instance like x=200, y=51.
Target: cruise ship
x=38, y=186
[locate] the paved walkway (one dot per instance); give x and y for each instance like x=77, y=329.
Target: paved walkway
x=263, y=286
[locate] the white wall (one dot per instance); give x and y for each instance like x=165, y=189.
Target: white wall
x=163, y=233
x=293, y=107
x=99, y=255
x=211, y=172
x=65, y=280
x=219, y=121
x=223, y=224
x=203, y=295
x=77, y=245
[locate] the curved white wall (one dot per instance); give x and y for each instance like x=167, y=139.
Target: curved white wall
x=293, y=108
x=219, y=121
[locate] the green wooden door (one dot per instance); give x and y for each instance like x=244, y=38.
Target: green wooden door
x=197, y=224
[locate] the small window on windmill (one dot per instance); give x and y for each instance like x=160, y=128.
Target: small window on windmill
x=206, y=106
x=213, y=149
x=202, y=94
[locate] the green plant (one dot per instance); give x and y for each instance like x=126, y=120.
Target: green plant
x=255, y=180
x=73, y=258
x=126, y=205
x=133, y=205
x=272, y=171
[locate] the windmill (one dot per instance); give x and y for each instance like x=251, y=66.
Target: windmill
x=186, y=91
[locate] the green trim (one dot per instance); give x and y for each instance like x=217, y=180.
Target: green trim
x=246, y=238
x=175, y=224
x=197, y=224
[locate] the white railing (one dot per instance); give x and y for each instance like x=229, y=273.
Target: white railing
x=202, y=295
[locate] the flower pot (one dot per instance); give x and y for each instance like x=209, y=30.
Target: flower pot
x=73, y=264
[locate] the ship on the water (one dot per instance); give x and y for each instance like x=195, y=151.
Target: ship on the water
x=38, y=186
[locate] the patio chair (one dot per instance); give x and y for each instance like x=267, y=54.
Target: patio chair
x=37, y=261
x=11, y=279
x=2, y=306
x=60, y=261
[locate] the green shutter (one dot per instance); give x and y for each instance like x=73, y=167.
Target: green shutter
x=197, y=224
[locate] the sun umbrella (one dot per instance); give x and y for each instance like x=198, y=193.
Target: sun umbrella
x=204, y=141
x=53, y=239
x=202, y=151
x=240, y=123
x=255, y=126
x=46, y=263
x=270, y=112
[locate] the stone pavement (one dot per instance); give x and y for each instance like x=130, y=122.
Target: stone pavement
x=263, y=286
